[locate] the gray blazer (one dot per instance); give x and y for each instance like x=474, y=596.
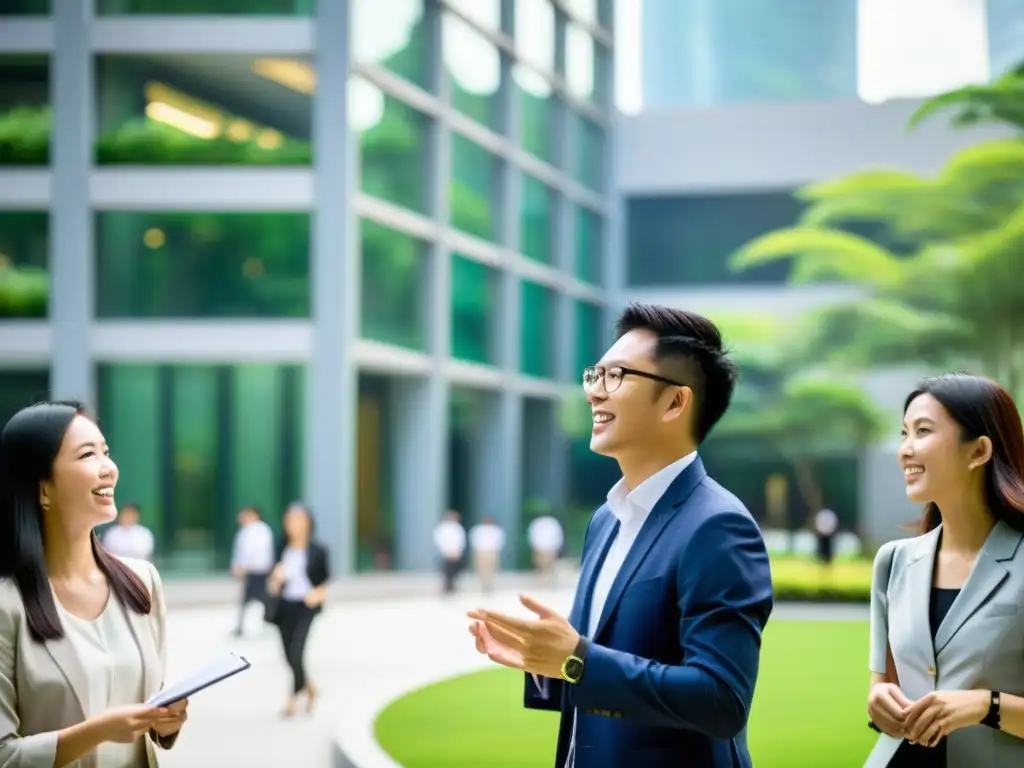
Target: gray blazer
x=979, y=645
x=43, y=685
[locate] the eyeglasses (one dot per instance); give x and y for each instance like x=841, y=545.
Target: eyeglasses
x=612, y=377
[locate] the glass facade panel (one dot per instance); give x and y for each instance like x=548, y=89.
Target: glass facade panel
x=581, y=66
x=475, y=190
x=375, y=523
x=591, y=335
x=194, y=443
x=538, y=113
x=24, y=251
x=474, y=310
x=25, y=116
x=687, y=240
x=219, y=7
x=393, y=146
x=535, y=33
x=395, y=272
x=700, y=53
x=24, y=7
x=587, y=10
x=131, y=400
x=486, y=13
x=19, y=388
x=588, y=153
x=473, y=67
x=392, y=35
x=588, y=253
x=537, y=346
x=202, y=264
x=536, y=213
x=164, y=109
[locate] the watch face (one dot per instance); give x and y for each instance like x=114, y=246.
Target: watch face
x=573, y=668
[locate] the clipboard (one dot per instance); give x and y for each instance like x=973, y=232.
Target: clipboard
x=221, y=669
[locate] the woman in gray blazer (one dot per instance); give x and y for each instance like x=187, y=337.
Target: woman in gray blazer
x=947, y=623
x=81, y=631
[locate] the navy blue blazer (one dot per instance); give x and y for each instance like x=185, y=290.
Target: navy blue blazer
x=670, y=675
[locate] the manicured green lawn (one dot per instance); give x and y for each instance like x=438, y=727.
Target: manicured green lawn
x=809, y=710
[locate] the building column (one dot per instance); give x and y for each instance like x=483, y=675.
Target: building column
x=499, y=435
x=331, y=417
x=71, y=262
x=420, y=405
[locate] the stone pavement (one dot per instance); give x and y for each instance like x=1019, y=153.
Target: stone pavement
x=362, y=654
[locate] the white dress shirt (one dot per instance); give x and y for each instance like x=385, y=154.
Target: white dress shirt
x=450, y=539
x=253, y=551
x=135, y=541
x=486, y=537
x=631, y=509
x=545, y=534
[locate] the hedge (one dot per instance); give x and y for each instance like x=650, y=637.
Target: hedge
x=801, y=579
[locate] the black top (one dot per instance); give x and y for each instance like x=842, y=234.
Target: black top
x=915, y=755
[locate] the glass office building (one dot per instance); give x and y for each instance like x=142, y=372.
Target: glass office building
x=350, y=251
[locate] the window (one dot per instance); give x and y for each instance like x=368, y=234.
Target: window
x=536, y=214
x=26, y=120
x=202, y=264
x=537, y=347
x=474, y=310
x=475, y=190
x=24, y=251
x=588, y=153
x=393, y=146
x=194, y=443
x=473, y=66
x=392, y=35
x=224, y=109
x=591, y=335
x=588, y=261
x=219, y=7
x=394, y=287
x=20, y=388
x=688, y=240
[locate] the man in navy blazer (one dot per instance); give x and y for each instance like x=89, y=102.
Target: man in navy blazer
x=655, y=665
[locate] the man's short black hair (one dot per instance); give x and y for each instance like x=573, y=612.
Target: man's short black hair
x=690, y=351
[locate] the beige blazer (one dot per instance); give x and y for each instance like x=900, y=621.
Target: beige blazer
x=979, y=645
x=43, y=685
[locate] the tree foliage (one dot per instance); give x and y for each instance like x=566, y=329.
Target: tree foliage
x=942, y=286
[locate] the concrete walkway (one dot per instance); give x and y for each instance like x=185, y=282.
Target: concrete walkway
x=362, y=654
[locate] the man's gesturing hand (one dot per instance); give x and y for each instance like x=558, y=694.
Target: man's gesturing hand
x=536, y=645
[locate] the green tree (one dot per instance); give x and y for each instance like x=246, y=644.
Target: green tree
x=940, y=285
x=806, y=412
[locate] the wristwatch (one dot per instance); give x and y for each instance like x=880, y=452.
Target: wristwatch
x=572, y=667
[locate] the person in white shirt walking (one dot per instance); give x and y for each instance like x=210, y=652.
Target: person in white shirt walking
x=546, y=539
x=486, y=540
x=252, y=560
x=450, y=541
x=128, y=537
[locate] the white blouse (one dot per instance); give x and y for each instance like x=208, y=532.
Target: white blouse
x=294, y=562
x=112, y=662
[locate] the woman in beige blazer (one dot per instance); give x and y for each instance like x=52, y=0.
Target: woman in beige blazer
x=947, y=622
x=81, y=631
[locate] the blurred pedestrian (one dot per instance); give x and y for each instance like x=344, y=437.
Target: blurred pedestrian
x=252, y=558
x=486, y=540
x=128, y=537
x=546, y=540
x=299, y=585
x=450, y=541
x=826, y=525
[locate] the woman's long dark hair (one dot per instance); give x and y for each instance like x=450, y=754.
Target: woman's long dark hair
x=28, y=446
x=981, y=407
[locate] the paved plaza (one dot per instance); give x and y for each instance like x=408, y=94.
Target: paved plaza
x=362, y=654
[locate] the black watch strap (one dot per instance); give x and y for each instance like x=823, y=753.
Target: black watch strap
x=993, y=718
